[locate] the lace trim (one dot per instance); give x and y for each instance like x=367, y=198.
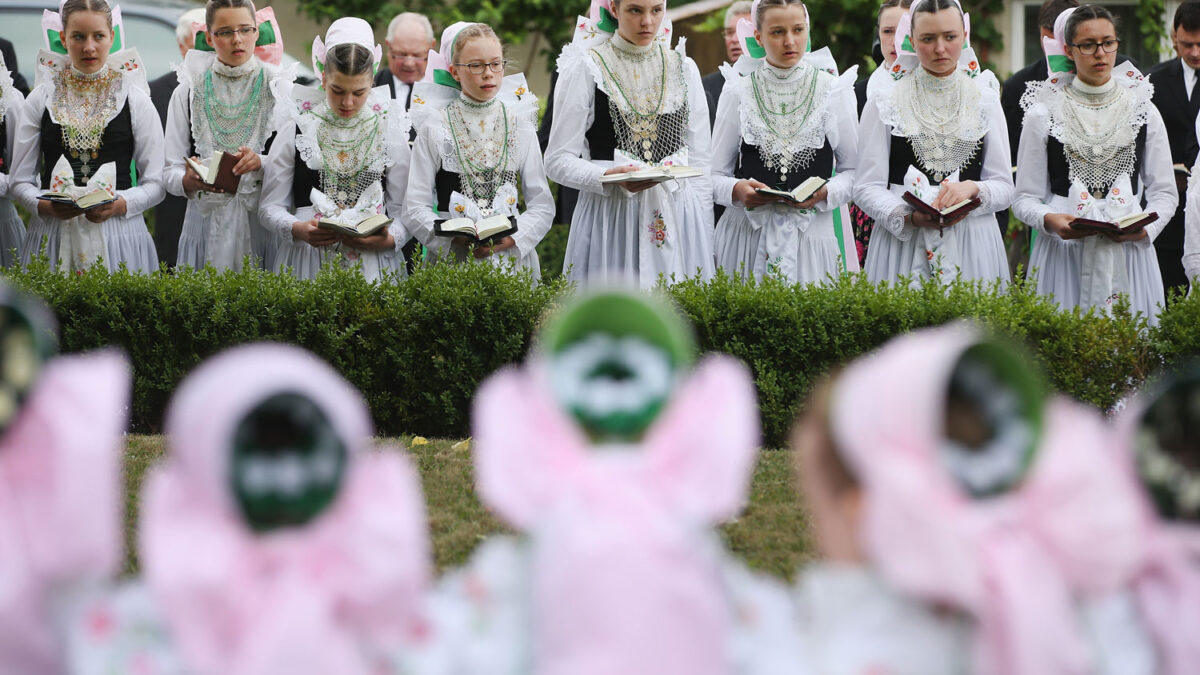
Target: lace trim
x=481, y=140
x=651, y=82
x=944, y=118
x=231, y=107
x=1098, y=132
x=83, y=104
x=785, y=119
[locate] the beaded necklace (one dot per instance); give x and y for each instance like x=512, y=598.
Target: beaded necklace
x=482, y=159
x=83, y=103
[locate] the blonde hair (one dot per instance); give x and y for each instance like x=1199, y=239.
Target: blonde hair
x=475, y=31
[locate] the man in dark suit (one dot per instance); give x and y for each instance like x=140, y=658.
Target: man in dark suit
x=168, y=215
x=10, y=62
x=1177, y=97
x=409, y=39
x=715, y=82
x=1014, y=87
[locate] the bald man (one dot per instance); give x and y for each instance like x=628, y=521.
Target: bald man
x=409, y=39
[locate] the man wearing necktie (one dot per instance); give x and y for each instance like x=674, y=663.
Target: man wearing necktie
x=1177, y=97
x=409, y=39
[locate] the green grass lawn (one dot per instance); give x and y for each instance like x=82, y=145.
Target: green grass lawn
x=771, y=534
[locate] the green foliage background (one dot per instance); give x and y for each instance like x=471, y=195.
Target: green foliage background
x=419, y=349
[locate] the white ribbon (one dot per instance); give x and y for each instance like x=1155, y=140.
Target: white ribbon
x=782, y=226
x=657, y=223
x=81, y=242
x=1102, y=273
x=504, y=203
x=939, y=251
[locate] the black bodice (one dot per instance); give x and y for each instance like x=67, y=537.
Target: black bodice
x=903, y=155
x=602, y=136
x=1060, y=173
x=750, y=164
x=116, y=145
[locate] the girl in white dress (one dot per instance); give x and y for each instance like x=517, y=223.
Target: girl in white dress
x=785, y=121
x=12, y=230
x=342, y=155
x=93, y=110
x=1093, y=145
x=224, y=102
x=938, y=131
x=475, y=141
x=626, y=100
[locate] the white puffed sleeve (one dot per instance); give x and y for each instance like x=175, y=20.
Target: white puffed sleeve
x=1158, y=177
x=275, y=208
x=12, y=117
x=726, y=142
x=1032, y=203
x=535, y=221
x=841, y=129
x=568, y=158
x=395, y=188
x=996, y=189
x=178, y=138
x=871, y=191
x=147, y=154
x=420, y=212
x=699, y=137
x=24, y=181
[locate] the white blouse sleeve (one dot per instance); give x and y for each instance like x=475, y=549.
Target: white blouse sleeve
x=726, y=142
x=395, y=188
x=147, y=154
x=996, y=189
x=535, y=221
x=275, y=206
x=25, y=182
x=574, y=98
x=178, y=139
x=871, y=191
x=1032, y=203
x=699, y=137
x=1191, y=226
x=1158, y=178
x=842, y=132
x=419, y=202
x=12, y=118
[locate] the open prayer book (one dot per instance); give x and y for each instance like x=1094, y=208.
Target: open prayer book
x=801, y=194
x=1133, y=223
x=91, y=200
x=492, y=227
x=948, y=213
x=217, y=171
x=658, y=174
x=363, y=228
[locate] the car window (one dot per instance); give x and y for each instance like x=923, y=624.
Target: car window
x=155, y=41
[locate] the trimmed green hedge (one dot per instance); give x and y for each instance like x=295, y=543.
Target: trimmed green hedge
x=419, y=349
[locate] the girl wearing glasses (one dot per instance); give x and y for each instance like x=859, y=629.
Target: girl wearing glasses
x=342, y=156
x=86, y=126
x=625, y=101
x=938, y=132
x=1093, y=146
x=224, y=103
x=476, y=143
x=782, y=123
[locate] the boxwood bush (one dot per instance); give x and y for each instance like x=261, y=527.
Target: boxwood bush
x=418, y=349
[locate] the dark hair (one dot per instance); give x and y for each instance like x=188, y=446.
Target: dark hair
x=764, y=5
x=210, y=9
x=72, y=6
x=888, y=4
x=1086, y=13
x=1050, y=11
x=933, y=7
x=1187, y=16
x=349, y=59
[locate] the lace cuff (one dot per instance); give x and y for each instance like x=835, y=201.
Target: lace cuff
x=895, y=224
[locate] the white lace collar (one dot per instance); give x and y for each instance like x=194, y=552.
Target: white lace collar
x=942, y=117
x=784, y=114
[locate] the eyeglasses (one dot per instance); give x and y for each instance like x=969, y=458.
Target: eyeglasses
x=478, y=68
x=228, y=33
x=399, y=56
x=1089, y=48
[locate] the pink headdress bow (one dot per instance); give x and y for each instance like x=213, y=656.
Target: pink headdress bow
x=1167, y=586
x=618, y=529
x=346, y=30
x=1017, y=562
x=303, y=599
x=1057, y=62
